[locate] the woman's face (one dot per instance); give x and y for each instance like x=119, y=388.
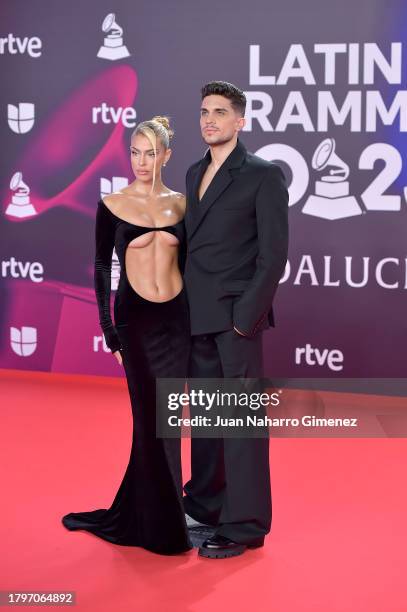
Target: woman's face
x=142, y=157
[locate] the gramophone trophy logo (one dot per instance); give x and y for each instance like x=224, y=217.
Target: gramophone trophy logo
x=331, y=199
x=113, y=47
x=20, y=205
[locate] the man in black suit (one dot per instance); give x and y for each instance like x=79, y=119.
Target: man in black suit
x=237, y=232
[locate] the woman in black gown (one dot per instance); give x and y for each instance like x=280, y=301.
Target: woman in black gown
x=150, y=337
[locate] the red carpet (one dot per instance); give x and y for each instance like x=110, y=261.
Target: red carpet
x=338, y=540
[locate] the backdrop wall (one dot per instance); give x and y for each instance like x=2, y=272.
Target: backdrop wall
x=327, y=101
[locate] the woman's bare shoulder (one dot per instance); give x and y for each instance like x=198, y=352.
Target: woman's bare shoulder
x=178, y=200
x=114, y=200
x=122, y=202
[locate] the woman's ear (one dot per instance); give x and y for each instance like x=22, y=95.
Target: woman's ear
x=167, y=155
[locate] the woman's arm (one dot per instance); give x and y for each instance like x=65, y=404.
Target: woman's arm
x=104, y=243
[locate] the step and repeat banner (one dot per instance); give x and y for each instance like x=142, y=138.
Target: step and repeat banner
x=327, y=101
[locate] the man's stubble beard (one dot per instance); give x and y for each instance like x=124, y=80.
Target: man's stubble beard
x=219, y=142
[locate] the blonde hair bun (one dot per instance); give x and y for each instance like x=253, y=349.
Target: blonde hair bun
x=165, y=122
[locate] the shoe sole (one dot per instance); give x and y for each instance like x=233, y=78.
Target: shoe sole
x=209, y=554
x=218, y=555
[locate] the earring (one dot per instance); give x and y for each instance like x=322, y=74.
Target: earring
x=164, y=164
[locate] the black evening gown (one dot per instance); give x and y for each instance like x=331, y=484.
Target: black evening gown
x=154, y=341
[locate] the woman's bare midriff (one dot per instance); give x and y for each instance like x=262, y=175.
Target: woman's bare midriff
x=151, y=259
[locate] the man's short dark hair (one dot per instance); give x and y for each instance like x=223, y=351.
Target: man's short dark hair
x=227, y=90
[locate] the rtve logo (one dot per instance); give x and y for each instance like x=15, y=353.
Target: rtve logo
x=23, y=341
x=99, y=344
x=313, y=356
x=108, y=114
x=19, y=269
x=14, y=44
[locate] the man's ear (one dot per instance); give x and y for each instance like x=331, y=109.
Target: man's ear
x=241, y=123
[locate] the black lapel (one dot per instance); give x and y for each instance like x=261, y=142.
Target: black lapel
x=192, y=210
x=198, y=178
x=219, y=183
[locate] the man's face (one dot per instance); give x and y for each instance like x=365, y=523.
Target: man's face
x=219, y=120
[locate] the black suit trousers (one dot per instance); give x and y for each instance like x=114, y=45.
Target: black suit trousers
x=230, y=477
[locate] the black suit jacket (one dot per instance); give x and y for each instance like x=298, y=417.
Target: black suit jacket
x=237, y=241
